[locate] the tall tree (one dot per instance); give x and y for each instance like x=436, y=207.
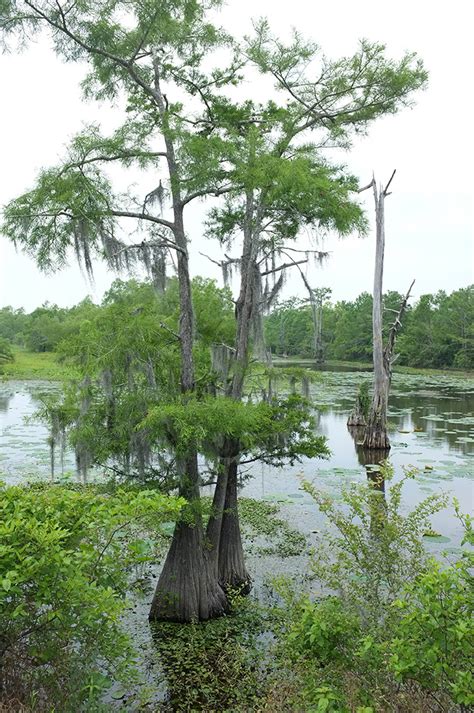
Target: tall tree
x=147, y=54
x=287, y=184
x=140, y=53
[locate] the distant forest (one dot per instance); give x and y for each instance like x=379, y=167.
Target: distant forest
x=438, y=330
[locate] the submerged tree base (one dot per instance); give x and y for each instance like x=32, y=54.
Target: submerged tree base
x=186, y=590
x=376, y=438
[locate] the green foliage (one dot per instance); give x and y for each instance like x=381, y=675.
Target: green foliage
x=434, y=640
x=214, y=666
x=440, y=331
x=386, y=614
x=66, y=559
x=276, y=431
x=364, y=399
x=64, y=209
x=36, y=365
x=437, y=331
x=382, y=86
x=127, y=359
x=323, y=632
x=378, y=547
x=43, y=329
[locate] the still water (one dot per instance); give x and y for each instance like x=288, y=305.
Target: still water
x=431, y=421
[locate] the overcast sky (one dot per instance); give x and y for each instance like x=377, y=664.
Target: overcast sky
x=429, y=216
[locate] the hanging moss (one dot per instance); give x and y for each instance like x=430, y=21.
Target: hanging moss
x=221, y=360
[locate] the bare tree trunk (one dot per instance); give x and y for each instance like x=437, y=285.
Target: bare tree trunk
x=376, y=431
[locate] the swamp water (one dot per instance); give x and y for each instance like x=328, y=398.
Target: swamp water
x=431, y=422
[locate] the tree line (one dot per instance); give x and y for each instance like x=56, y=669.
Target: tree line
x=438, y=330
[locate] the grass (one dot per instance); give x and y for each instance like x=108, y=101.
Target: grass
x=35, y=365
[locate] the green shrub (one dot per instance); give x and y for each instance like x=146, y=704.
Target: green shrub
x=323, y=630
x=391, y=630
x=65, y=561
x=434, y=641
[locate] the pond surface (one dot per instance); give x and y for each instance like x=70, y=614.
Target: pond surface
x=431, y=422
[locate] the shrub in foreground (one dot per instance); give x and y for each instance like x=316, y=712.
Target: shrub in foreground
x=65, y=560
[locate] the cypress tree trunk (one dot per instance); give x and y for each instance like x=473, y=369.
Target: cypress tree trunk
x=187, y=589
x=232, y=571
x=231, y=567
x=214, y=525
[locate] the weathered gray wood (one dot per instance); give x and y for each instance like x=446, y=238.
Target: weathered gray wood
x=376, y=430
x=376, y=436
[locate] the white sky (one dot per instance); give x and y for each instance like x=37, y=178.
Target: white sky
x=429, y=216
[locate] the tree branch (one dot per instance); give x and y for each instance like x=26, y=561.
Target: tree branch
x=394, y=329
x=118, y=157
x=62, y=27
x=385, y=190
x=143, y=216
x=369, y=185
x=284, y=266
x=206, y=192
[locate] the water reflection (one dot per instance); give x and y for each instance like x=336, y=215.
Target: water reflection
x=372, y=460
x=5, y=402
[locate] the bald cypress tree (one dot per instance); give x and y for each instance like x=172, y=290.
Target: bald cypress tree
x=286, y=186
x=146, y=55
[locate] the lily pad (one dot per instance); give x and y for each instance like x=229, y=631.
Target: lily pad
x=437, y=538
